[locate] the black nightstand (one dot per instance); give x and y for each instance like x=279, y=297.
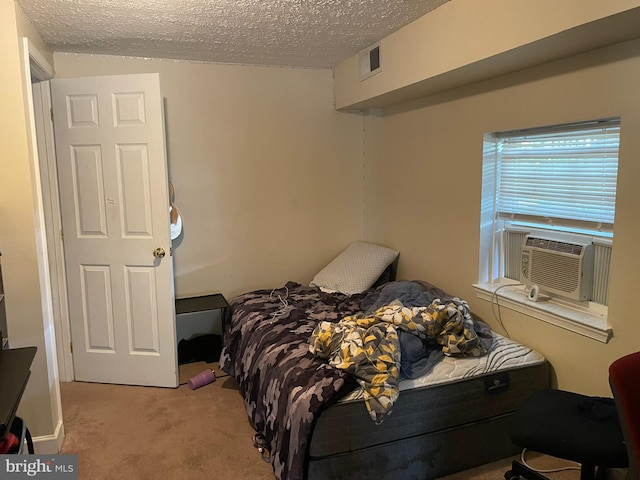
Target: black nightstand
x=203, y=303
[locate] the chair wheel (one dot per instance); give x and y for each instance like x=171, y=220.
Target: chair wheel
x=510, y=475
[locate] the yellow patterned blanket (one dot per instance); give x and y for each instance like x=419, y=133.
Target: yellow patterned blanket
x=369, y=349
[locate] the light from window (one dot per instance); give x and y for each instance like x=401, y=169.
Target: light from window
x=558, y=181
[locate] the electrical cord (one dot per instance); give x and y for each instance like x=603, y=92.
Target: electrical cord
x=549, y=470
x=285, y=304
x=494, y=303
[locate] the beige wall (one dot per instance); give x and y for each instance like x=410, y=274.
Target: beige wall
x=464, y=41
x=427, y=180
x=268, y=176
x=18, y=207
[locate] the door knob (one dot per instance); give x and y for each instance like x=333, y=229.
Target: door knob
x=159, y=252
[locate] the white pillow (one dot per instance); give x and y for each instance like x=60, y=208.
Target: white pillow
x=355, y=269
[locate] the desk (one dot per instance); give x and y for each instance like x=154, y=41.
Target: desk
x=15, y=365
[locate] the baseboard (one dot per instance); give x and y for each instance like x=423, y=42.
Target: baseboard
x=50, y=444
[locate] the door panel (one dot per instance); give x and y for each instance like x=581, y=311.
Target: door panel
x=88, y=191
x=114, y=199
x=96, y=306
x=141, y=299
x=135, y=210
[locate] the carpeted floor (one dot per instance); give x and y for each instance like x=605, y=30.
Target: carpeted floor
x=144, y=432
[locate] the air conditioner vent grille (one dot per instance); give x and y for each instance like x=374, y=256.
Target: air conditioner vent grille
x=555, y=271
x=557, y=267
x=554, y=245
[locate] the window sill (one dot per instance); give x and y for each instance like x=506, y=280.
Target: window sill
x=573, y=318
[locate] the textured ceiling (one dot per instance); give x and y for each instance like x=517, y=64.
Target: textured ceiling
x=303, y=33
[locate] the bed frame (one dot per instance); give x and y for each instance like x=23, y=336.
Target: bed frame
x=432, y=431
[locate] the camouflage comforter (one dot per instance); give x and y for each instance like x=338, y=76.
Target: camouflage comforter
x=283, y=384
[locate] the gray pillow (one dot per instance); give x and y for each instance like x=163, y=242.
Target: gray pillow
x=356, y=269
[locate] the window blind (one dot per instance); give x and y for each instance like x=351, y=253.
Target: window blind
x=561, y=176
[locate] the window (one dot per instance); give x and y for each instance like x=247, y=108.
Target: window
x=555, y=183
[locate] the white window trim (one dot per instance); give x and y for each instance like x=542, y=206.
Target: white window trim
x=585, y=318
x=587, y=321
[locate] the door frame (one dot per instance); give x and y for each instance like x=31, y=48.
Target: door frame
x=38, y=69
x=55, y=248
x=45, y=151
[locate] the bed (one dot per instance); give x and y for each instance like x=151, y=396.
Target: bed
x=316, y=421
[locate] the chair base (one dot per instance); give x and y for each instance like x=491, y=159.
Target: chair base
x=518, y=470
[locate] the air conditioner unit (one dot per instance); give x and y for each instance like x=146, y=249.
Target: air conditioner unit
x=557, y=267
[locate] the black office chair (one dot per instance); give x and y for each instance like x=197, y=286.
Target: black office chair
x=570, y=426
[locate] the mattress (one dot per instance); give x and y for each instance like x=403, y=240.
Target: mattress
x=454, y=418
x=505, y=354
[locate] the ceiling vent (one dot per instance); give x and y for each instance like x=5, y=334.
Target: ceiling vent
x=369, y=60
